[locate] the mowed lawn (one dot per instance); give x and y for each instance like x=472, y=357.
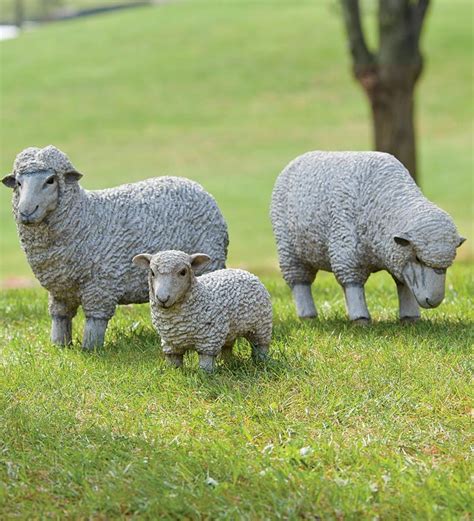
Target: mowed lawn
x=343, y=422
x=226, y=93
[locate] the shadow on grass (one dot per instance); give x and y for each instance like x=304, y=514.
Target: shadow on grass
x=142, y=346
x=445, y=333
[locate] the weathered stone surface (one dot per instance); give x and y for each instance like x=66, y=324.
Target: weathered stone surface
x=206, y=313
x=354, y=213
x=80, y=243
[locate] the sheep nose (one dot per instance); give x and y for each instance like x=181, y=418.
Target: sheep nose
x=434, y=303
x=26, y=215
x=163, y=301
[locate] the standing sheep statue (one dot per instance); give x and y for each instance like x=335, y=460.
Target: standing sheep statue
x=206, y=313
x=355, y=213
x=79, y=242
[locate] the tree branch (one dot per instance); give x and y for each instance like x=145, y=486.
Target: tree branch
x=361, y=55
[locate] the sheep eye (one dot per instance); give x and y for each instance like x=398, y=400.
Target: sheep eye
x=50, y=181
x=418, y=260
x=439, y=271
x=152, y=273
x=18, y=183
x=183, y=272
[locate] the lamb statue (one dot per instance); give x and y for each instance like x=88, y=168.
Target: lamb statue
x=355, y=213
x=79, y=242
x=206, y=313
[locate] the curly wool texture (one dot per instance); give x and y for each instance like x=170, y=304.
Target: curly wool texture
x=82, y=252
x=218, y=308
x=340, y=211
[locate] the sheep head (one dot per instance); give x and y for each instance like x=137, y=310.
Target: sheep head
x=428, y=250
x=39, y=176
x=171, y=274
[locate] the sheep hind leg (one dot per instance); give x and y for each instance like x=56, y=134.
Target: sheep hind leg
x=409, y=310
x=260, y=345
x=299, y=277
x=61, y=330
x=304, y=302
x=94, y=333
x=226, y=352
x=175, y=360
x=356, y=304
x=259, y=353
x=207, y=362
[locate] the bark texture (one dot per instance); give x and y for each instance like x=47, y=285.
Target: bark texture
x=389, y=75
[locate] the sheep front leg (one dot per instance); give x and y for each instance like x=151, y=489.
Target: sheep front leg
x=304, y=300
x=62, y=314
x=356, y=304
x=94, y=333
x=409, y=310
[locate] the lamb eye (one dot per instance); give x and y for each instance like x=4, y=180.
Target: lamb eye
x=439, y=271
x=18, y=183
x=152, y=273
x=183, y=272
x=418, y=259
x=50, y=181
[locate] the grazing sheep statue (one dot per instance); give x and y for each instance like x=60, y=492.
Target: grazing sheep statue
x=206, y=313
x=355, y=213
x=79, y=242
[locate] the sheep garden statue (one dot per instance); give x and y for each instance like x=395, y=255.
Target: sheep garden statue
x=355, y=213
x=206, y=313
x=79, y=242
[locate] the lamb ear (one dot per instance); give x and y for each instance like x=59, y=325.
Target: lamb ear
x=462, y=240
x=72, y=177
x=199, y=261
x=403, y=239
x=142, y=260
x=9, y=180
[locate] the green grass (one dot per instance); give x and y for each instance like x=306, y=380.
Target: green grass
x=384, y=415
x=226, y=93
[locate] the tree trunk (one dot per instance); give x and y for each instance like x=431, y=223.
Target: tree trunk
x=19, y=13
x=391, y=94
x=389, y=76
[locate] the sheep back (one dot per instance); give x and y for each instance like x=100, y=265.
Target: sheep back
x=338, y=211
x=82, y=255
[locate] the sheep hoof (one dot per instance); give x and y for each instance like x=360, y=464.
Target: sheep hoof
x=207, y=363
x=226, y=354
x=409, y=320
x=308, y=316
x=175, y=360
x=363, y=322
x=260, y=355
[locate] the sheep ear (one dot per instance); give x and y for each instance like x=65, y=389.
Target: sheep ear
x=72, y=177
x=462, y=240
x=142, y=260
x=199, y=261
x=9, y=180
x=402, y=239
